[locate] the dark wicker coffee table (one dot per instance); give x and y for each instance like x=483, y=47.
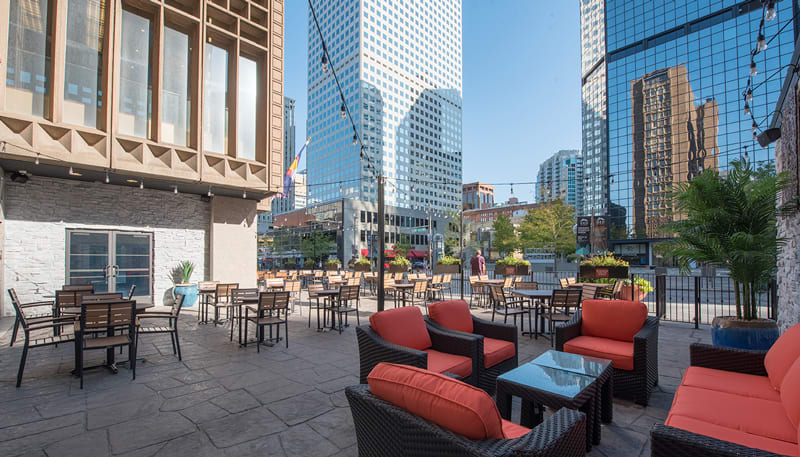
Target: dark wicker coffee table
x=560, y=380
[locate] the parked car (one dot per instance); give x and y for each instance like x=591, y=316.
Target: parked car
x=417, y=265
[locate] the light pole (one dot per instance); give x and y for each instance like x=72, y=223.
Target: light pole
x=381, y=237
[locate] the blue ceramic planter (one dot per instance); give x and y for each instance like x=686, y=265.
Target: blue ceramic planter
x=189, y=292
x=758, y=335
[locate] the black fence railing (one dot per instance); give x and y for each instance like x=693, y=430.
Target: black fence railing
x=691, y=299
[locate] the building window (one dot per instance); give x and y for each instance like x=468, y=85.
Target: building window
x=83, y=72
x=135, y=84
x=246, y=113
x=176, y=103
x=28, y=58
x=215, y=100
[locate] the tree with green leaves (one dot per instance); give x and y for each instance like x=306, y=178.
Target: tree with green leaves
x=403, y=246
x=316, y=245
x=505, y=236
x=730, y=222
x=549, y=227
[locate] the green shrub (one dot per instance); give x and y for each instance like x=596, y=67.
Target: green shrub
x=449, y=260
x=309, y=264
x=605, y=260
x=333, y=262
x=643, y=284
x=362, y=261
x=513, y=262
x=400, y=261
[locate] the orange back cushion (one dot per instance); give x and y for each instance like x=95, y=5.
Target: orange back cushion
x=782, y=355
x=613, y=319
x=453, y=314
x=790, y=393
x=447, y=402
x=403, y=327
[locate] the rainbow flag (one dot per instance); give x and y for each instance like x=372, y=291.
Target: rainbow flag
x=288, y=178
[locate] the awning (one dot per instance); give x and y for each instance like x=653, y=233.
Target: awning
x=417, y=254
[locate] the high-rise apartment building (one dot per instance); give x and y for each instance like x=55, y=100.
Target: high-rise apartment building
x=561, y=178
x=477, y=195
x=684, y=65
x=287, y=203
x=399, y=64
x=134, y=135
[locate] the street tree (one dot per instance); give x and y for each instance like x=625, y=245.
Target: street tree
x=315, y=245
x=505, y=236
x=403, y=246
x=549, y=227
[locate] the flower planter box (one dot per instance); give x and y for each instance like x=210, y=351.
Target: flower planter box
x=592, y=272
x=511, y=270
x=358, y=267
x=397, y=268
x=332, y=267
x=446, y=269
x=632, y=293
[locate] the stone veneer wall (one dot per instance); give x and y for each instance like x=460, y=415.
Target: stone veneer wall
x=786, y=150
x=38, y=213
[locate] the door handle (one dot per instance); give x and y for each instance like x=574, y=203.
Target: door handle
x=115, y=270
x=106, y=270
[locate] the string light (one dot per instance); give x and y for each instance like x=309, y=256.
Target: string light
x=141, y=184
x=107, y=179
x=70, y=172
x=37, y=159
x=754, y=127
x=209, y=191
x=753, y=68
x=761, y=43
x=3, y=147
x=771, y=15
x=244, y=194
x=746, y=109
x=344, y=111
x=749, y=96
x=175, y=190
x=355, y=139
x=324, y=62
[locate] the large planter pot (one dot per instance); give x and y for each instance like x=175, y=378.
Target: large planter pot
x=358, y=267
x=189, y=292
x=731, y=332
x=505, y=270
x=633, y=293
x=592, y=272
x=522, y=270
x=331, y=267
x=440, y=269
x=397, y=268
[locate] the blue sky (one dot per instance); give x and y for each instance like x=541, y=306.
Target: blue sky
x=521, y=78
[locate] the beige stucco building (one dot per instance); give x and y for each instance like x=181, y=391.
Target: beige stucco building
x=135, y=134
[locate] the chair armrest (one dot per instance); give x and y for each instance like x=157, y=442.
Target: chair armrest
x=563, y=434
x=37, y=303
x=160, y=315
x=666, y=441
x=372, y=349
x=496, y=330
x=458, y=343
x=727, y=359
x=568, y=330
x=50, y=324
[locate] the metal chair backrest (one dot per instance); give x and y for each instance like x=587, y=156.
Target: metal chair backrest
x=177, y=305
x=79, y=288
x=563, y=283
x=525, y=285
x=291, y=286
x=571, y=281
x=353, y=281
x=508, y=282
x=69, y=298
x=272, y=301
x=319, y=273
x=101, y=297
x=223, y=292
x=130, y=291
x=473, y=279
x=276, y=282
x=348, y=292
x=18, y=307
x=483, y=277
x=437, y=279
x=240, y=295
x=313, y=288
x=281, y=274
x=496, y=292
x=566, y=298
x=107, y=315
x=446, y=279
x=420, y=286
x=617, y=290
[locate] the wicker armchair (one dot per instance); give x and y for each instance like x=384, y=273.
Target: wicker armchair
x=633, y=384
x=373, y=349
x=383, y=429
x=671, y=441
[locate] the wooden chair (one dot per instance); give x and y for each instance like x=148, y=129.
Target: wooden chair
x=561, y=302
x=268, y=313
x=294, y=288
x=206, y=290
x=29, y=325
x=101, y=297
x=31, y=316
x=79, y=288
x=130, y=291
x=389, y=290
x=609, y=292
x=353, y=281
x=171, y=327
x=348, y=296
x=416, y=296
x=507, y=305
x=478, y=291
x=108, y=318
x=222, y=299
x=563, y=283
x=447, y=285
x=435, y=287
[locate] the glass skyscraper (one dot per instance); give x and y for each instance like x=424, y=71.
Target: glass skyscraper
x=399, y=65
x=662, y=89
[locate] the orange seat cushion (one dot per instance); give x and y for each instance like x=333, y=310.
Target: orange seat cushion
x=790, y=394
x=732, y=435
x=402, y=326
x=453, y=314
x=442, y=362
x=619, y=352
x=755, y=416
x=731, y=382
x=447, y=402
x=512, y=430
x=782, y=355
x=496, y=351
x=614, y=319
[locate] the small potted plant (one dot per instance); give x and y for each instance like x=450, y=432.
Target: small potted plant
x=362, y=264
x=604, y=266
x=181, y=275
x=309, y=264
x=447, y=265
x=636, y=289
x=511, y=266
x=400, y=264
x=333, y=264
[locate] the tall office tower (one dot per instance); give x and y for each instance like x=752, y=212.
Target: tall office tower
x=399, y=65
x=287, y=203
x=662, y=94
x=674, y=140
x=561, y=178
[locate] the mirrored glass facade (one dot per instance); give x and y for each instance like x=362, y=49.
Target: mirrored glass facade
x=675, y=74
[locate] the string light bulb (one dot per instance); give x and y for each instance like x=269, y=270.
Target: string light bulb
x=344, y=111
x=512, y=188
x=37, y=159
x=754, y=127
x=753, y=68
x=175, y=190
x=244, y=194
x=749, y=96
x=324, y=63
x=746, y=109
x=355, y=139
x=761, y=43
x=141, y=184
x=771, y=15
x=71, y=171
x=107, y=179
x=209, y=192
x=3, y=147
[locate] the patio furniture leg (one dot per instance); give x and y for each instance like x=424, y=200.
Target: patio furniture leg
x=287, y=333
x=22, y=361
x=14, y=332
x=172, y=337
x=177, y=341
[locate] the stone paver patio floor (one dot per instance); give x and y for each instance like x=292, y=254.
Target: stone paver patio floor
x=225, y=401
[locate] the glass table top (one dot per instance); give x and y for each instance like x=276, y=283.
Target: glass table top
x=552, y=380
x=574, y=363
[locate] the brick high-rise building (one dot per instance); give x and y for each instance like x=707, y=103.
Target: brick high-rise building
x=477, y=195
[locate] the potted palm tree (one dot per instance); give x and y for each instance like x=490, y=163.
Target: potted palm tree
x=181, y=274
x=730, y=222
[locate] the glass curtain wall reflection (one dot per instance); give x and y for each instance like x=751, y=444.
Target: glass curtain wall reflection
x=176, y=104
x=246, y=112
x=215, y=100
x=83, y=87
x=135, y=85
x=28, y=58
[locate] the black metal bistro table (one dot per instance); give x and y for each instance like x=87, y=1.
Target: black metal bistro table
x=535, y=296
x=560, y=380
x=332, y=294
